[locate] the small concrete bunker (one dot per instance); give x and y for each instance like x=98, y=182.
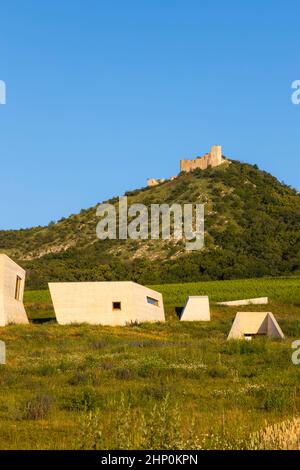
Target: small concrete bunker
x=247, y=325
x=12, y=281
x=105, y=303
x=196, y=309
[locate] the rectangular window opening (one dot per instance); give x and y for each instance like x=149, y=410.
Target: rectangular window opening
x=152, y=301
x=116, y=305
x=254, y=335
x=18, y=288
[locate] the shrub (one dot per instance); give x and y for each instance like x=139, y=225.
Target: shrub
x=276, y=400
x=90, y=432
x=129, y=428
x=79, y=379
x=218, y=372
x=248, y=372
x=123, y=374
x=107, y=364
x=37, y=407
x=99, y=345
x=291, y=328
x=84, y=401
x=156, y=392
x=163, y=427
x=152, y=368
x=245, y=347
x=46, y=370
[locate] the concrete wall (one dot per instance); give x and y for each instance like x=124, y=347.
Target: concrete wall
x=92, y=302
x=237, y=303
x=196, y=309
x=11, y=309
x=273, y=328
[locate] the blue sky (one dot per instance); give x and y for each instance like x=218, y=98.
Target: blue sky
x=103, y=94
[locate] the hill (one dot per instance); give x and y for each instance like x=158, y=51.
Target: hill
x=252, y=229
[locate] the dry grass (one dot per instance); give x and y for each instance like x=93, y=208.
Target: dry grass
x=280, y=436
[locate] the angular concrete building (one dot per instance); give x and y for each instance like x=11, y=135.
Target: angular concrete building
x=247, y=325
x=105, y=303
x=239, y=303
x=12, y=281
x=196, y=309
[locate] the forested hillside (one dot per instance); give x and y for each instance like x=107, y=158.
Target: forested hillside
x=252, y=229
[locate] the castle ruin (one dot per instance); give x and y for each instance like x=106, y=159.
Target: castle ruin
x=209, y=160
x=212, y=159
x=154, y=182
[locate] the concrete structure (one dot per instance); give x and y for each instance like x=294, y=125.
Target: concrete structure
x=212, y=159
x=105, y=303
x=196, y=309
x=238, y=303
x=249, y=324
x=12, y=281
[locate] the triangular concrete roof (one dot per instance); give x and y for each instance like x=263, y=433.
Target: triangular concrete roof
x=255, y=323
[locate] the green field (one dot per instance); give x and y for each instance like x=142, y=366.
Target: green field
x=171, y=385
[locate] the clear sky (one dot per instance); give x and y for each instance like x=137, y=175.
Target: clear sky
x=102, y=94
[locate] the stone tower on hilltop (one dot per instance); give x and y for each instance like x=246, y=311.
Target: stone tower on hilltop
x=212, y=159
x=209, y=160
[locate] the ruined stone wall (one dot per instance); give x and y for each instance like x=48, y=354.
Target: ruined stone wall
x=200, y=162
x=154, y=182
x=212, y=159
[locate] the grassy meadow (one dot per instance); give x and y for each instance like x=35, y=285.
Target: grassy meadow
x=169, y=385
